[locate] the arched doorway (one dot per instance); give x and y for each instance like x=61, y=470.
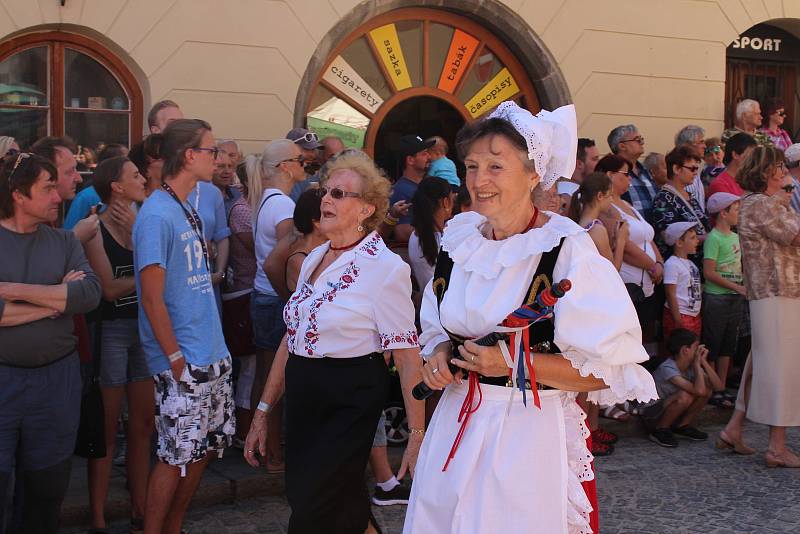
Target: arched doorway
x=425, y=116
x=412, y=71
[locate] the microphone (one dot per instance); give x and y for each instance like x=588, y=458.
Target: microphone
x=541, y=307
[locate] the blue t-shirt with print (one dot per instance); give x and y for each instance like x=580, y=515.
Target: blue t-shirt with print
x=163, y=236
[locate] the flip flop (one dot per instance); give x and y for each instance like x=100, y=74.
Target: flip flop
x=615, y=413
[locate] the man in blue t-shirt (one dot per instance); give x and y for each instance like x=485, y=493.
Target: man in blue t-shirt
x=179, y=327
x=413, y=152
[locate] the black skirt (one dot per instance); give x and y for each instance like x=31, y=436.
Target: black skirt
x=332, y=410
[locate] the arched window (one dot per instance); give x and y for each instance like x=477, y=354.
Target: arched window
x=56, y=83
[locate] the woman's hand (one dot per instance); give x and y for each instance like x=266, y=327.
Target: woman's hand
x=257, y=439
x=656, y=273
x=487, y=361
x=409, y=463
x=436, y=373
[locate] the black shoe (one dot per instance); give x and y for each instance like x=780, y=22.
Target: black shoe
x=398, y=495
x=690, y=432
x=663, y=437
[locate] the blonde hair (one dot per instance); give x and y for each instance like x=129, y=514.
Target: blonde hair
x=375, y=186
x=756, y=167
x=5, y=144
x=255, y=185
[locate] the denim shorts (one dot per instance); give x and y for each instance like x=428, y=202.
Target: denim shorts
x=122, y=359
x=268, y=325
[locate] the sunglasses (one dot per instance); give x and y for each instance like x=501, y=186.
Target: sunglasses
x=713, y=149
x=310, y=137
x=22, y=157
x=781, y=113
x=639, y=139
x=336, y=193
x=214, y=151
x=693, y=168
x=788, y=188
x=298, y=159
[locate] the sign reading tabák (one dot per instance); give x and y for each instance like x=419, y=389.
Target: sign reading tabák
x=462, y=48
x=387, y=44
x=344, y=78
x=502, y=87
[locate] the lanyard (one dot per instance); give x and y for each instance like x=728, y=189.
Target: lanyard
x=194, y=221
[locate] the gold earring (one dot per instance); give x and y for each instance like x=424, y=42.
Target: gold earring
x=360, y=228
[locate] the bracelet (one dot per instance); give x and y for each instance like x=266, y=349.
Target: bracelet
x=420, y=431
x=263, y=407
x=175, y=356
x=391, y=221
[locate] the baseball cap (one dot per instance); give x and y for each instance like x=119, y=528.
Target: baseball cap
x=792, y=154
x=719, y=201
x=306, y=139
x=412, y=144
x=278, y=150
x=676, y=230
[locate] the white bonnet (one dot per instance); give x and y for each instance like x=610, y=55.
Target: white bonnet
x=551, y=136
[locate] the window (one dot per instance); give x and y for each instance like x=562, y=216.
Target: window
x=57, y=83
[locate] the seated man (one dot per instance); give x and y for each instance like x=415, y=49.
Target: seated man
x=684, y=382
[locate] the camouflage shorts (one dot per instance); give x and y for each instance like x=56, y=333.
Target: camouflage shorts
x=194, y=416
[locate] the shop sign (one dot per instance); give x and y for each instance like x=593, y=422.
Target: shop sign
x=765, y=42
x=500, y=88
x=344, y=78
x=387, y=44
x=462, y=48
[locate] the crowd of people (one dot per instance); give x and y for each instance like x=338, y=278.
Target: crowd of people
x=206, y=299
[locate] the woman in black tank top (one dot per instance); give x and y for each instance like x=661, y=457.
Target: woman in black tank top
x=118, y=357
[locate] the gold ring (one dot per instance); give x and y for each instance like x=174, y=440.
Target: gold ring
x=473, y=358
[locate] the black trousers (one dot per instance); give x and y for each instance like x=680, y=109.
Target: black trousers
x=332, y=410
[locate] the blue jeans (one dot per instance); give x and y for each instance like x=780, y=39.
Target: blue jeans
x=268, y=325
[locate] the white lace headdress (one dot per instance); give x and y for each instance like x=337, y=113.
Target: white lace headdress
x=551, y=136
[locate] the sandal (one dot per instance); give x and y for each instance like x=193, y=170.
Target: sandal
x=719, y=400
x=604, y=436
x=601, y=449
x=616, y=413
x=739, y=447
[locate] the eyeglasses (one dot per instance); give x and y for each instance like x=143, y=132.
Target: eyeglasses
x=788, y=188
x=21, y=158
x=310, y=137
x=298, y=159
x=781, y=113
x=715, y=149
x=214, y=151
x=693, y=168
x=639, y=139
x=336, y=193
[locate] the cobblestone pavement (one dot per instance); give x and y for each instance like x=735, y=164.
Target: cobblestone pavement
x=644, y=489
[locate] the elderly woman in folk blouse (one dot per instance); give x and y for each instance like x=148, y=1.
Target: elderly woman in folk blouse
x=352, y=303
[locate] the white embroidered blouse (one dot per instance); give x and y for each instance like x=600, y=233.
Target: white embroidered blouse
x=360, y=304
x=596, y=326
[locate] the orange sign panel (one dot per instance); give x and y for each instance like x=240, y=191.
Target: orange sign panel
x=462, y=48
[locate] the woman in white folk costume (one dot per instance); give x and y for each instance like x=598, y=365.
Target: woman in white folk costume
x=352, y=303
x=497, y=459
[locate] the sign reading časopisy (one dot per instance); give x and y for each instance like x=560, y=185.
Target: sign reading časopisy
x=387, y=44
x=342, y=76
x=500, y=88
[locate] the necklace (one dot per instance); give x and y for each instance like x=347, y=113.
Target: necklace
x=347, y=247
x=530, y=224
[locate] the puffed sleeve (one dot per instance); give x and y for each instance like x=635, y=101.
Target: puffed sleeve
x=394, y=310
x=596, y=326
x=432, y=331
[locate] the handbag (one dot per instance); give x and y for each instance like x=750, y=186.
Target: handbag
x=237, y=325
x=91, y=439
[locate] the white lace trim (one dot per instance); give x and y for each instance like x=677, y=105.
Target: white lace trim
x=579, y=461
x=473, y=252
x=628, y=381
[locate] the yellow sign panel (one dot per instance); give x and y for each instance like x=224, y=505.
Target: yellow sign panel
x=500, y=88
x=387, y=44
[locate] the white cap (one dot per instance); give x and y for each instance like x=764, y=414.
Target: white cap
x=719, y=201
x=675, y=231
x=567, y=188
x=792, y=153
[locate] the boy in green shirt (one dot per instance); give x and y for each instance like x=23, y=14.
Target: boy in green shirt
x=724, y=294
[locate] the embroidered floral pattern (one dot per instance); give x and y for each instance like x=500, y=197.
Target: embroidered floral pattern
x=371, y=245
x=291, y=314
x=408, y=337
x=347, y=279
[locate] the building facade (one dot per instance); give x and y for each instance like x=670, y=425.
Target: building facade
x=370, y=70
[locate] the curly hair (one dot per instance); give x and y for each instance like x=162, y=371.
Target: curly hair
x=757, y=166
x=376, y=187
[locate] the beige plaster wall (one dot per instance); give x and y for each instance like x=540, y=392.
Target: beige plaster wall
x=238, y=63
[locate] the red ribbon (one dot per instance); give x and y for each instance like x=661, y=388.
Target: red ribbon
x=466, y=411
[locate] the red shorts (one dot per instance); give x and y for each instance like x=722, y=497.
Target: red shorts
x=690, y=323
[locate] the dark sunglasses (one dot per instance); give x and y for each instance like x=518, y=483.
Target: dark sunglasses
x=214, y=151
x=336, y=193
x=781, y=113
x=693, y=168
x=788, y=188
x=298, y=159
x=715, y=149
x=639, y=139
